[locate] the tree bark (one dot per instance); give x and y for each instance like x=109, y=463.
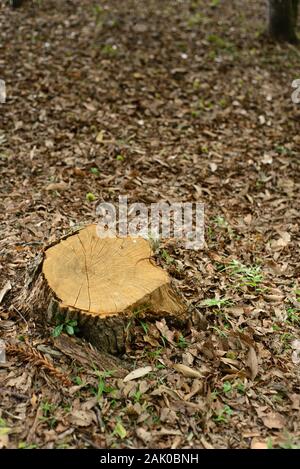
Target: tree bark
x=283, y=19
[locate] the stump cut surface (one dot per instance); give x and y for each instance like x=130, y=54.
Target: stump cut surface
x=104, y=276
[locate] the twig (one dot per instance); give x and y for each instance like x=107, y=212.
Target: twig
x=21, y=315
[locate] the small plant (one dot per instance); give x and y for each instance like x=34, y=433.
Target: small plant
x=4, y=429
x=98, y=12
x=289, y=443
x=269, y=443
x=293, y=316
x=119, y=430
x=77, y=380
x=182, y=342
x=249, y=276
x=227, y=387
x=166, y=257
x=160, y=366
x=24, y=445
x=196, y=84
x=154, y=242
x=196, y=19
x=286, y=338
x=95, y=171
x=220, y=332
x=282, y=150
x=223, y=415
x=223, y=103
x=62, y=446
x=90, y=197
x=220, y=221
x=216, y=302
x=65, y=325
x=137, y=396
x=217, y=41
x=120, y=158
x=136, y=313
x=241, y=388
x=155, y=354
x=102, y=388
x=109, y=50
x=48, y=409
x=144, y=326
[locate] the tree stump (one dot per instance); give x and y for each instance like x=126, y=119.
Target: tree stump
x=103, y=284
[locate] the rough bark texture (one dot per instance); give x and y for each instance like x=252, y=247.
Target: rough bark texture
x=108, y=332
x=283, y=19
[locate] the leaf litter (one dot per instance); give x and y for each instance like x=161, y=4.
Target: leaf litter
x=108, y=102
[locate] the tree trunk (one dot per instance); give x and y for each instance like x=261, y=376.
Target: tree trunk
x=16, y=3
x=283, y=19
x=104, y=284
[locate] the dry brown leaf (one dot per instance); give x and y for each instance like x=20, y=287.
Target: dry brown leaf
x=187, y=371
x=165, y=331
x=3, y=437
x=138, y=373
x=81, y=418
x=282, y=242
x=256, y=443
x=144, y=435
x=205, y=443
x=57, y=186
x=274, y=420
x=252, y=362
x=197, y=387
x=167, y=415
x=295, y=398
x=4, y=290
x=100, y=136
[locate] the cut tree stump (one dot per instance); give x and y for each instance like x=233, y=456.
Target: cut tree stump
x=104, y=284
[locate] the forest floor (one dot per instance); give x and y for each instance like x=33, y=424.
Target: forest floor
x=159, y=100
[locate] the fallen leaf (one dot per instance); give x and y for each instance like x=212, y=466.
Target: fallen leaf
x=143, y=435
x=4, y=431
x=120, y=430
x=267, y=159
x=274, y=420
x=252, y=362
x=7, y=287
x=213, y=167
x=81, y=418
x=282, y=242
x=256, y=443
x=100, y=136
x=138, y=373
x=295, y=398
x=205, y=443
x=57, y=186
x=187, y=371
x=165, y=331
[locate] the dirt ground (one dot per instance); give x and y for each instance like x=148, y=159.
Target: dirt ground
x=159, y=100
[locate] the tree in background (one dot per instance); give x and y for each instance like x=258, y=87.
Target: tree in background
x=283, y=19
x=16, y=3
